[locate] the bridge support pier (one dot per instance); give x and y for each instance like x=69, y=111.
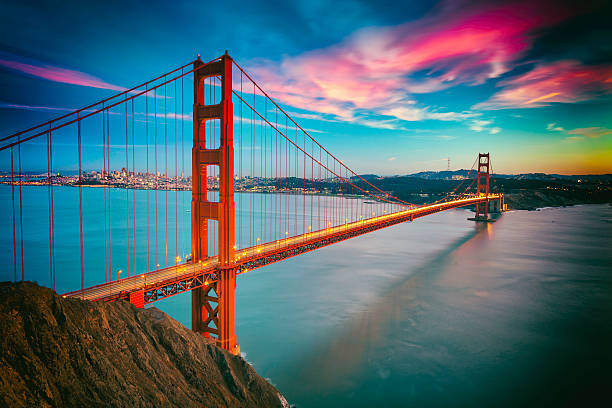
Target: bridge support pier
x=213, y=305
x=137, y=299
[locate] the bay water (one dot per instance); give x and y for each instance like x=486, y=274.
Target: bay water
x=438, y=312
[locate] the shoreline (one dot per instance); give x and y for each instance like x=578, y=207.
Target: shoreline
x=529, y=200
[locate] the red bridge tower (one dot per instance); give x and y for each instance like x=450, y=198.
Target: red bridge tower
x=482, y=186
x=212, y=306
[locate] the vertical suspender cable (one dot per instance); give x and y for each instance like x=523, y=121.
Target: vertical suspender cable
x=147, y=176
x=80, y=201
x=156, y=178
x=295, y=198
x=110, y=242
x=183, y=157
x=304, y=192
x=240, y=193
x=275, y=170
x=20, y=204
x=252, y=175
x=50, y=193
x=105, y=192
x=166, y=165
x=127, y=191
x=265, y=164
x=175, y=175
x=14, y=233
x=133, y=195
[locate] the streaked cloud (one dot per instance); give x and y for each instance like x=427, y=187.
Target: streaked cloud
x=573, y=139
x=39, y=108
x=54, y=73
x=6, y=105
x=561, y=81
x=312, y=116
x=591, y=132
x=413, y=114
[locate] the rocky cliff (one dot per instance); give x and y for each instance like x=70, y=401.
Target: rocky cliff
x=57, y=352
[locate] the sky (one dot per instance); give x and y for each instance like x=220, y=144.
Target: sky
x=390, y=88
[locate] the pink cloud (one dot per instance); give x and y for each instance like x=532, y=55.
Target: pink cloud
x=57, y=74
x=561, y=81
x=62, y=75
x=374, y=69
x=39, y=108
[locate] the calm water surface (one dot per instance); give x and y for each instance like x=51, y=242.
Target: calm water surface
x=438, y=312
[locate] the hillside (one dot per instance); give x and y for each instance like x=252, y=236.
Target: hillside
x=57, y=352
x=523, y=192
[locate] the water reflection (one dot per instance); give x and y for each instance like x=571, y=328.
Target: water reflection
x=329, y=365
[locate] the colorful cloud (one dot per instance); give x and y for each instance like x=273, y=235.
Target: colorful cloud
x=53, y=73
x=591, y=132
x=561, y=81
x=62, y=75
x=376, y=70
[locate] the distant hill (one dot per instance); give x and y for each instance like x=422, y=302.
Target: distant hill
x=57, y=352
x=366, y=177
x=448, y=175
x=442, y=175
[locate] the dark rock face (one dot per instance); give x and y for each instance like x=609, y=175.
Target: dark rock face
x=57, y=352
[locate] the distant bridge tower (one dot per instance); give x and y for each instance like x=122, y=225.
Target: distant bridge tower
x=212, y=305
x=482, y=186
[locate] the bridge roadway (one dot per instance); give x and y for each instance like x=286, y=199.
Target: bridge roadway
x=183, y=277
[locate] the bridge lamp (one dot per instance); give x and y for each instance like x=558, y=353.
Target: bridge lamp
x=158, y=265
x=309, y=227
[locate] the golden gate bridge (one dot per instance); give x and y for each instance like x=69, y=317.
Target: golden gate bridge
x=294, y=196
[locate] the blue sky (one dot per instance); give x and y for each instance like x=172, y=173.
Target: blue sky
x=391, y=89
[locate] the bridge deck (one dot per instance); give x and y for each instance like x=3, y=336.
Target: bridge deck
x=169, y=281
